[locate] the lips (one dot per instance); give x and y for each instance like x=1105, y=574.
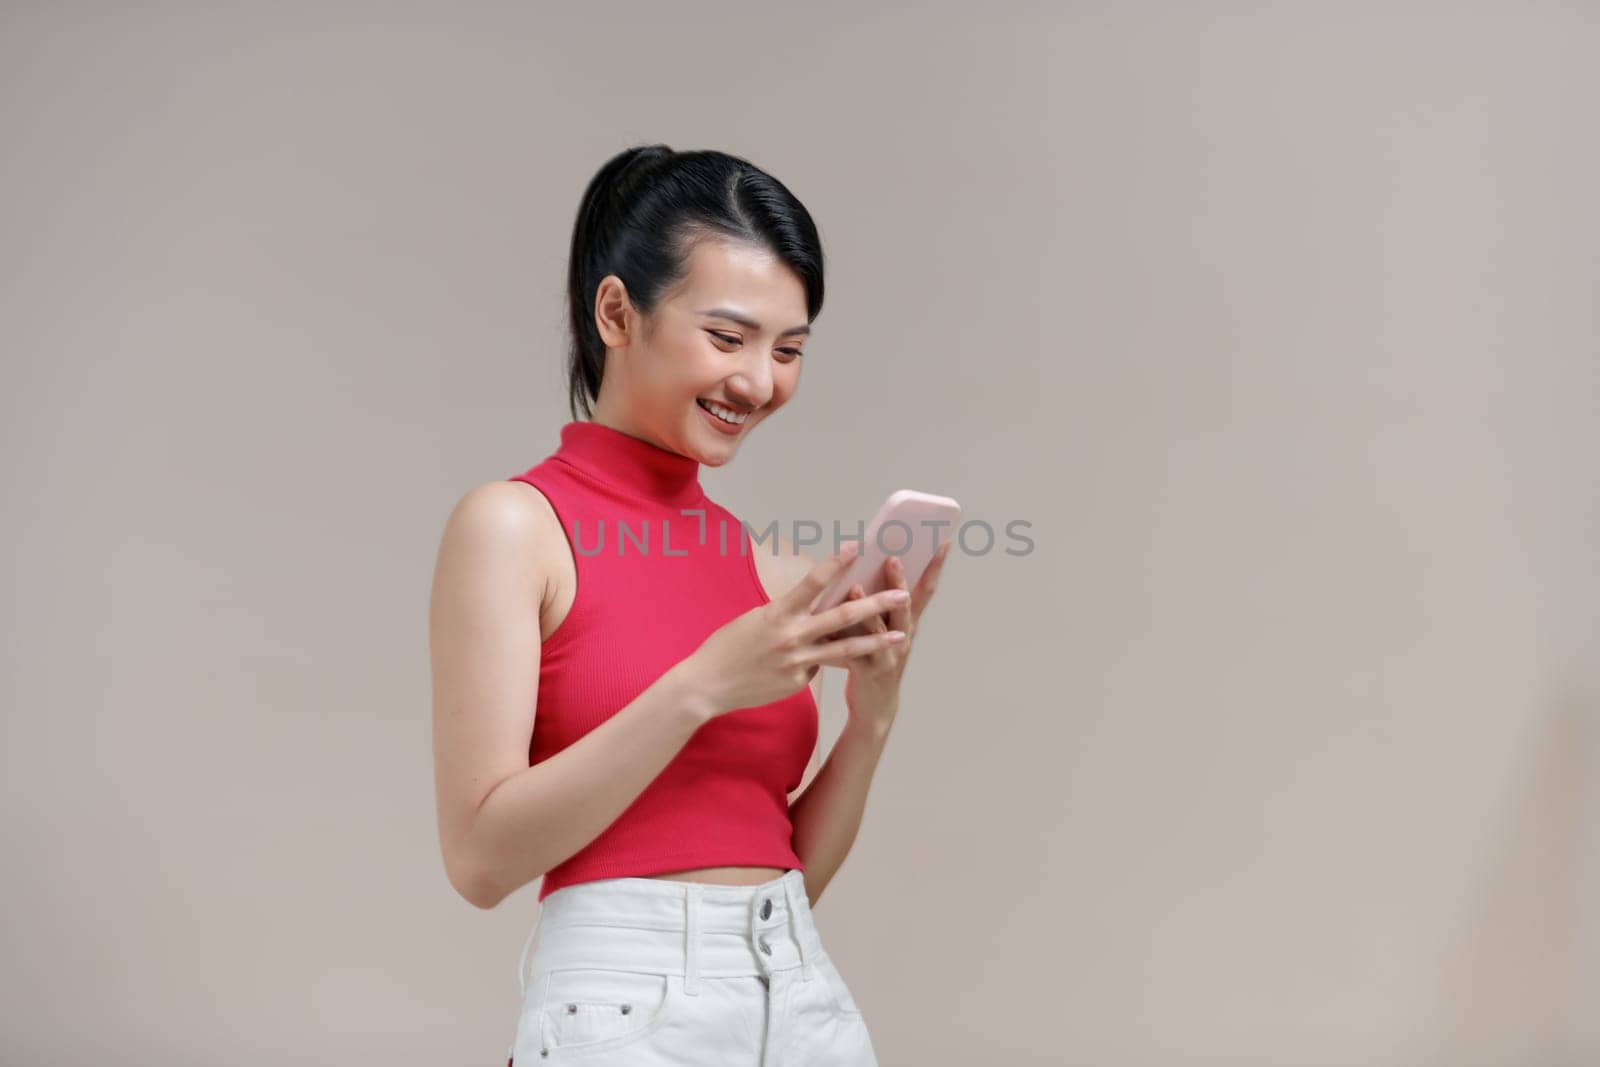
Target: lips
x=701, y=403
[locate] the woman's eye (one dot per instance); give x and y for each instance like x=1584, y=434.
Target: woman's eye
x=792, y=353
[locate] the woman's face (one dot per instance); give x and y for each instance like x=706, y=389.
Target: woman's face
x=729, y=335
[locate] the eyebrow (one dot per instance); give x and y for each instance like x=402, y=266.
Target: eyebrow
x=752, y=324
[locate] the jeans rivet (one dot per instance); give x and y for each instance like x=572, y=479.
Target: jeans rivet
x=626, y=1008
x=572, y=1009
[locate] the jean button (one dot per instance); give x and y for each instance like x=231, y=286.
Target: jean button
x=766, y=908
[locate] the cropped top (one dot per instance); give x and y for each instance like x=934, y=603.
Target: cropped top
x=660, y=566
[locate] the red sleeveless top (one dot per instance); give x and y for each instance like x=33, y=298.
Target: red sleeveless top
x=660, y=566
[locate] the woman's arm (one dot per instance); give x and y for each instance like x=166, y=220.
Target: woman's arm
x=826, y=812
x=811, y=764
x=503, y=823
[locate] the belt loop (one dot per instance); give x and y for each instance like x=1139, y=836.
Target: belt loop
x=794, y=924
x=691, y=967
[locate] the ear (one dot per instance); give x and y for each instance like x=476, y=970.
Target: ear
x=614, y=314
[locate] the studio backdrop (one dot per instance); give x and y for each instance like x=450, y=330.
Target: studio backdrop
x=1275, y=331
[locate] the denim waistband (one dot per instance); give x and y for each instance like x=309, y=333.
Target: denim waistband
x=666, y=926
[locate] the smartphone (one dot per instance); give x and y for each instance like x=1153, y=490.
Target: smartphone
x=897, y=530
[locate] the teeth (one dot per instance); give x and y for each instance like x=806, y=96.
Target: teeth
x=725, y=414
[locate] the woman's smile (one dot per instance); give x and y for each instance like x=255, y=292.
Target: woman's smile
x=724, y=419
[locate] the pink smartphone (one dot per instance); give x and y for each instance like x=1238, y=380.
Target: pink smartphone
x=913, y=542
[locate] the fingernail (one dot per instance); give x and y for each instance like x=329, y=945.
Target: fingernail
x=897, y=635
x=899, y=595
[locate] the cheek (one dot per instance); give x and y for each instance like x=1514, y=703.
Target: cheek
x=700, y=370
x=784, y=385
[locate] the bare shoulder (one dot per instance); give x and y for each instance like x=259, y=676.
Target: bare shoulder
x=501, y=509
x=502, y=526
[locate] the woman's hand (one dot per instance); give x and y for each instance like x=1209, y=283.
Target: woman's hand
x=872, y=690
x=773, y=650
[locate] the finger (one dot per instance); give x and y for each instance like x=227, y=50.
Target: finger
x=900, y=615
x=852, y=614
x=855, y=593
x=799, y=598
x=851, y=611
x=873, y=623
x=928, y=582
x=835, y=653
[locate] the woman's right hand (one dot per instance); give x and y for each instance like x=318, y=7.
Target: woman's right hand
x=773, y=650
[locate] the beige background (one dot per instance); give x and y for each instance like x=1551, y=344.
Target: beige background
x=1279, y=326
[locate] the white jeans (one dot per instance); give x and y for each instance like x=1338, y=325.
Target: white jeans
x=654, y=972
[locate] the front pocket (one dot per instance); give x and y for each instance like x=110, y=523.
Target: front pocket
x=591, y=1009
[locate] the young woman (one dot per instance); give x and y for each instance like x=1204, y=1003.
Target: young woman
x=626, y=687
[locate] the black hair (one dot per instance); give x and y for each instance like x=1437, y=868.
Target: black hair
x=640, y=217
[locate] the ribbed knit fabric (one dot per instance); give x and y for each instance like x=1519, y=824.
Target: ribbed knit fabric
x=653, y=583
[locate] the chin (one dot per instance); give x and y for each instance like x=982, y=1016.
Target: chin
x=720, y=452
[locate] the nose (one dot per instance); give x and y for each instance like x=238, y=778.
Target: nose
x=751, y=383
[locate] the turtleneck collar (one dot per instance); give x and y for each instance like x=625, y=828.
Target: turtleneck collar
x=630, y=463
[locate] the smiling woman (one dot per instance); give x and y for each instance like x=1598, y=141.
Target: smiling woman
x=639, y=729
x=671, y=372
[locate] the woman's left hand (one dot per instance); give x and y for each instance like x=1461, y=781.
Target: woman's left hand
x=872, y=690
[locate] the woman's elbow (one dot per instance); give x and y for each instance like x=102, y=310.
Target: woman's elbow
x=469, y=879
